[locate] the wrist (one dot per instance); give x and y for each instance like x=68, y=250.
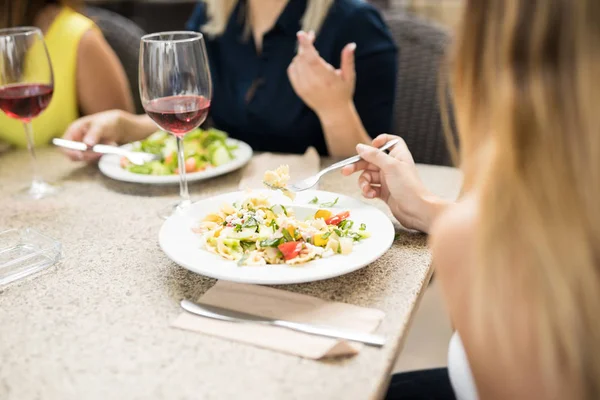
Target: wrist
x=336, y=113
x=343, y=129
x=137, y=127
x=430, y=208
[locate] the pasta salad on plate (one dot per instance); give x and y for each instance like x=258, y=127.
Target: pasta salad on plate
x=255, y=232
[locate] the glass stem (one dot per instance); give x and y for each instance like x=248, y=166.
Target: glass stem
x=31, y=146
x=183, y=186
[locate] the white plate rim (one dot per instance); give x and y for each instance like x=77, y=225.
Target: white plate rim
x=384, y=239
x=110, y=166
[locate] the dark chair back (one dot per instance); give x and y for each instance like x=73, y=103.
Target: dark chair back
x=417, y=117
x=123, y=35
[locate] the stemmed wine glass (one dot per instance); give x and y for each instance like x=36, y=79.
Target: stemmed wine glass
x=26, y=88
x=176, y=90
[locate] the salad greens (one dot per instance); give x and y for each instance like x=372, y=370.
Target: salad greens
x=203, y=149
x=315, y=200
x=330, y=203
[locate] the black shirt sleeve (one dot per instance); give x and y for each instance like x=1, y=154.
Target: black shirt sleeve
x=376, y=59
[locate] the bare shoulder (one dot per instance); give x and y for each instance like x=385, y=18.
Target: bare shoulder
x=453, y=236
x=101, y=80
x=92, y=42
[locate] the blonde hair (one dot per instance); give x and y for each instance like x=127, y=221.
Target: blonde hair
x=219, y=12
x=526, y=80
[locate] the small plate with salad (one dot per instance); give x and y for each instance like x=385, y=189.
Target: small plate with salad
x=208, y=153
x=263, y=237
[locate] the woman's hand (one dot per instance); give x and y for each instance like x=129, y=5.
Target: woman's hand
x=394, y=179
x=322, y=87
x=109, y=127
x=329, y=93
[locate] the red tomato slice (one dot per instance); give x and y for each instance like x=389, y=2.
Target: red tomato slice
x=336, y=219
x=333, y=220
x=169, y=158
x=124, y=162
x=290, y=249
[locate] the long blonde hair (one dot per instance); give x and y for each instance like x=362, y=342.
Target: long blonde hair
x=219, y=12
x=526, y=80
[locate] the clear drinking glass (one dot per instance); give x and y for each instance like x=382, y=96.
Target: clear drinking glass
x=176, y=90
x=26, y=88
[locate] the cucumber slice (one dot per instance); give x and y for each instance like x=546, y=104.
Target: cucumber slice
x=220, y=156
x=244, y=234
x=158, y=168
x=140, y=169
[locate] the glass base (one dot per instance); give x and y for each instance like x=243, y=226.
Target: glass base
x=174, y=208
x=39, y=190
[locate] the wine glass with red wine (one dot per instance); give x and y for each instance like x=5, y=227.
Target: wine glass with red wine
x=26, y=87
x=176, y=89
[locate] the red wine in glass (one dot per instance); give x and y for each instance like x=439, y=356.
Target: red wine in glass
x=178, y=114
x=26, y=88
x=25, y=101
x=175, y=89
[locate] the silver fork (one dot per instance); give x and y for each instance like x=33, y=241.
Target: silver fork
x=137, y=158
x=311, y=181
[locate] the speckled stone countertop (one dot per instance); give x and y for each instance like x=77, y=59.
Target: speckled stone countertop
x=96, y=325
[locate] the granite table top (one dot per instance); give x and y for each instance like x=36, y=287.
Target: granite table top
x=96, y=324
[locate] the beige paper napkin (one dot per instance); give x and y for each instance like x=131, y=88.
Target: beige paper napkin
x=301, y=166
x=281, y=304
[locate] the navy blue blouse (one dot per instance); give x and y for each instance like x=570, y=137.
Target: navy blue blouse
x=253, y=99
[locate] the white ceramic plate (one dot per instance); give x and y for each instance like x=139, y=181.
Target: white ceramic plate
x=110, y=166
x=182, y=245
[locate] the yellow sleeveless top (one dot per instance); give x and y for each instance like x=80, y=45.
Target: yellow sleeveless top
x=62, y=40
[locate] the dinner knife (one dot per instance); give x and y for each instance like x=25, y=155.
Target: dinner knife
x=225, y=314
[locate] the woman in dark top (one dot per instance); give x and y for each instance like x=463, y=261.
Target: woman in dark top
x=279, y=89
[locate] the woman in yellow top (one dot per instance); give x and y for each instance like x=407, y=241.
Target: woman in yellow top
x=88, y=77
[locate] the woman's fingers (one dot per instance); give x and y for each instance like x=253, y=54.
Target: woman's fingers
x=90, y=156
x=369, y=178
x=347, y=63
x=90, y=130
x=361, y=165
x=349, y=169
x=307, y=77
x=308, y=54
x=94, y=135
x=382, y=139
x=76, y=131
x=73, y=155
x=379, y=141
x=294, y=75
x=399, y=151
x=306, y=44
x=376, y=157
x=370, y=184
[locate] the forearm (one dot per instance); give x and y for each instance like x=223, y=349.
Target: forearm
x=136, y=127
x=430, y=209
x=433, y=208
x=343, y=130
